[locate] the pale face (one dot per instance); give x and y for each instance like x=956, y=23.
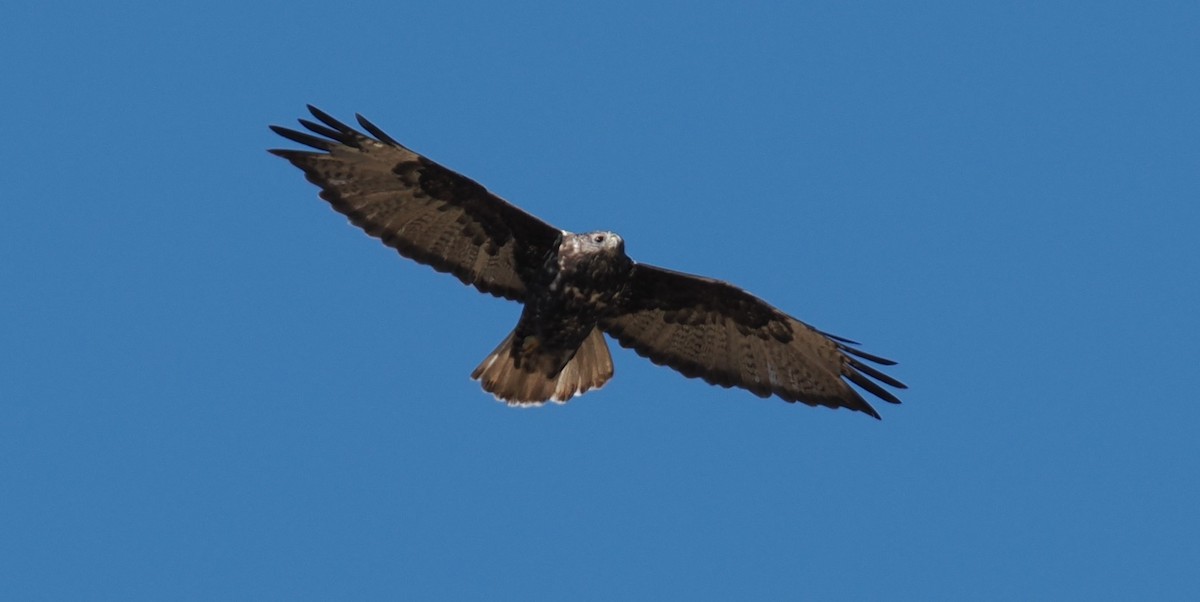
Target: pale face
x=591, y=243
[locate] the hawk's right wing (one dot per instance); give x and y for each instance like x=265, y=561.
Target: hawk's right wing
x=423, y=210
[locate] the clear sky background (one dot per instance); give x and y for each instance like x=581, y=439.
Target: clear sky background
x=212, y=387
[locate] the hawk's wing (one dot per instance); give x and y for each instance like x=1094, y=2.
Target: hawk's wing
x=423, y=210
x=709, y=329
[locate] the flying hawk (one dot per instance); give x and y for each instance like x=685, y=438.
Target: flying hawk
x=574, y=287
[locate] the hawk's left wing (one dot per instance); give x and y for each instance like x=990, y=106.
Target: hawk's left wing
x=709, y=329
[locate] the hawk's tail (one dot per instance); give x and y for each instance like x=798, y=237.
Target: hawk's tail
x=529, y=384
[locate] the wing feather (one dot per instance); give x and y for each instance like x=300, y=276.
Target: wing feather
x=423, y=210
x=375, y=131
x=303, y=138
x=709, y=329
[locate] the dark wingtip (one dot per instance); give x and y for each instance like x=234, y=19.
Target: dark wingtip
x=869, y=385
x=329, y=120
x=883, y=361
x=870, y=411
x=330, y=133
x=303, y=138
x=374, y=130
x=315, y=111
x=875, y=374
x=849, y=346
x=857, y=403
x=298, y=157
x=839, y=339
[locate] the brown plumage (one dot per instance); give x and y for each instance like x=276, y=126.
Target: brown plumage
x=573, y=286
x=589, y=368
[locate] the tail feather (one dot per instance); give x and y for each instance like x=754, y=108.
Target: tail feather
x=526, y=385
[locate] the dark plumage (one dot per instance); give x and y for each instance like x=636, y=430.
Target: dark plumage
x=574, y=287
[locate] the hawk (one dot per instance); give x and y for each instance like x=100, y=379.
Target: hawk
x=574, y=287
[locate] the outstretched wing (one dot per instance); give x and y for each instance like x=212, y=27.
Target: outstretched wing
x=423, y=210
x=709, y=329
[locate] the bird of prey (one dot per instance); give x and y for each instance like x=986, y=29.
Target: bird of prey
x=574, y=287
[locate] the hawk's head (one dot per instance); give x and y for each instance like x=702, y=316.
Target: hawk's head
x=592, y=249
x=591, y=243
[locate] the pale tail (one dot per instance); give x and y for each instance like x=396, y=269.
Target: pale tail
x=590, y=368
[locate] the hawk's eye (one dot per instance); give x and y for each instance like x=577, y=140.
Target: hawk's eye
x=599, y=238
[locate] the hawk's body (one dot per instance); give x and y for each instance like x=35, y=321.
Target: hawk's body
x=574, y=287
x=578, y=284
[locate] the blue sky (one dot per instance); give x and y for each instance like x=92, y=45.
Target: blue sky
x=213, y=387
